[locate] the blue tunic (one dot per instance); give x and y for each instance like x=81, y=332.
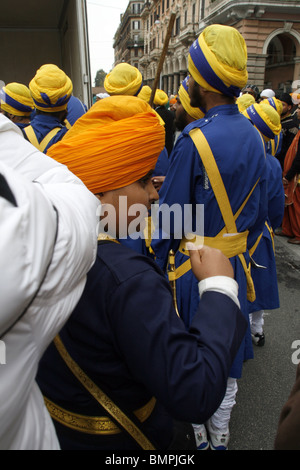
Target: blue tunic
x=75, y=110
x=125, y=334
x=265, y=280
x=240, y=156
x=42, y=124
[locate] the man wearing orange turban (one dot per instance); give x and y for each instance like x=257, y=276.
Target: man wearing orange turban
x=124, y=366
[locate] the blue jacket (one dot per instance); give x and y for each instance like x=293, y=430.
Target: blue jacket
x=42, y=124
x=125, y=334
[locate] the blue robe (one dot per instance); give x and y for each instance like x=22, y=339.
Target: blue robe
x=75, y=110
x=240, y=156
x=125, y=334
x=265, y=280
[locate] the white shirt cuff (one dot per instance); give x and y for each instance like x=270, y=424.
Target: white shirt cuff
x=223, y=284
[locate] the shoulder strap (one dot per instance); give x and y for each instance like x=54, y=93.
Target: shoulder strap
x=215, y=178
x=34, y=141
x=67, y=124
x=221, y=196
x=115, y=412
x=30, y=134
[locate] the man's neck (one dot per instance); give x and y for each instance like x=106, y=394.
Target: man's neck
x=216, y=99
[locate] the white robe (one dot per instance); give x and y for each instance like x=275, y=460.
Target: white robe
x=28, y=243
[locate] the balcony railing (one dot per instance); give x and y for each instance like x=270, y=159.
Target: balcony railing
x=135, y=42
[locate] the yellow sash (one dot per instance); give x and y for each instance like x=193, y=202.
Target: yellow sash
x=33, y=139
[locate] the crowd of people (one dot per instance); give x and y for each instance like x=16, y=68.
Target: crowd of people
x=123, y=332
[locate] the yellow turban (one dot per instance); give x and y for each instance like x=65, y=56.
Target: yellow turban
x=116, y=143
x=265, y=118
x=51, y=89
x=245, y=101
x=275, y=103
x=124, y=79
x=16, y=99
x=160, y=98
x=183, y=93
x=145, y=93
x=218, y=60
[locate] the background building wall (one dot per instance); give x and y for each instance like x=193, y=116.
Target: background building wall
x=271, y=30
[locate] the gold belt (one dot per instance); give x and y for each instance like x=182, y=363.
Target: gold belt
x=93, y=424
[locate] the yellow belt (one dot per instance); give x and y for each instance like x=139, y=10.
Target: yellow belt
x=230, y=245
x=93, y=424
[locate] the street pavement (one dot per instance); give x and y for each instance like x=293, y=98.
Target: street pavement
x=268, y=378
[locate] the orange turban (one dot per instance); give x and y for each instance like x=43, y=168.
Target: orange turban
x=114, y=144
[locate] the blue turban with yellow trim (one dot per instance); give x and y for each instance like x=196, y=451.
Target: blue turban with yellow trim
x=275, y=103
x=16, y=99
x=217, y=60
x=51, y=89
x=183, y=93
x=265, y=118
x=124, y=79
x=244, y=101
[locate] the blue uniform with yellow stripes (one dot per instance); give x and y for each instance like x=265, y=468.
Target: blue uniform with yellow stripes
x=42, y=124
x=240, y=156
x=126, y=336
x=265, y=279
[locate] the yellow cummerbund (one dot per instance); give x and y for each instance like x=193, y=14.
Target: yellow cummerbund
x=93, y=424
x=230, y=244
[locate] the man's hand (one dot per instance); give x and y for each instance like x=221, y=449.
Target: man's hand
x=207, y=262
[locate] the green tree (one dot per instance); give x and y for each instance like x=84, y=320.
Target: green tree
x=100, y=76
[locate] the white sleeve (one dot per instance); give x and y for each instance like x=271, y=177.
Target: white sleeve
x=31, y=238
x=223, y=284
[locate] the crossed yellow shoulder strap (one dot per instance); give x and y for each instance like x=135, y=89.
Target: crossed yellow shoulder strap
x=221, y=196
x=33, y=139
x=119, y=416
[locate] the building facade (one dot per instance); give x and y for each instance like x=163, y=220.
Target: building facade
x=270, y=28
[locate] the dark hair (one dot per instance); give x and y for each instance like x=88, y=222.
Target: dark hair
x=146, y=178
x=286, y=98
x=254, y=88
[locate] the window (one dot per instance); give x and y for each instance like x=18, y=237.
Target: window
x=136, y=8
x=201, y=9
x=136, y=25
x=177, y=26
